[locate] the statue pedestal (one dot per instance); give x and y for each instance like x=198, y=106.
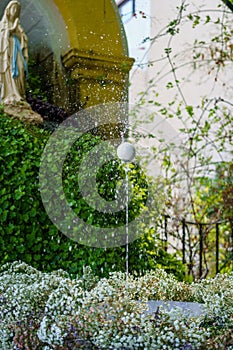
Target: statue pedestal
x=22, y=111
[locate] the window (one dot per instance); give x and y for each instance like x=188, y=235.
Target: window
x=126, y=9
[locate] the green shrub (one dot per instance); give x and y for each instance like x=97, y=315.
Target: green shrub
x=34, y=85
x=26, y=232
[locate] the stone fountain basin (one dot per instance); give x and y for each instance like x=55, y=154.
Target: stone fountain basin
x=190, y=309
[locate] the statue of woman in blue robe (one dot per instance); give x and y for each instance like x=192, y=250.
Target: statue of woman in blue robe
x=13, y=55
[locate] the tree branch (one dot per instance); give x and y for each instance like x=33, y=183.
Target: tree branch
x=229, y=4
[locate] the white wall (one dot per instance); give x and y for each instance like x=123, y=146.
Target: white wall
x=195, y=84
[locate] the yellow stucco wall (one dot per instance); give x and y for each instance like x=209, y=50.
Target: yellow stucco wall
x=93, y=25
x=98, y=56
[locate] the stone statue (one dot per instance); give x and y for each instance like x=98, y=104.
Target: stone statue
x=13, y=55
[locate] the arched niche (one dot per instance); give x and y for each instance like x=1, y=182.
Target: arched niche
x=79, y=48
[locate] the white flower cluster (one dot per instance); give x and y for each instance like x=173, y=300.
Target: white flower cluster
x=26, y=293
x=217, y=296
x=52, y=311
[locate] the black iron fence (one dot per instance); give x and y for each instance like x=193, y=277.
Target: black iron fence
x=206, y=248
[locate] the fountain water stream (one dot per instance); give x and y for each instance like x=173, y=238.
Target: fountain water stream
x=126, y=153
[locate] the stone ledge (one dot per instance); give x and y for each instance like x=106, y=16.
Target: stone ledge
x=188, y=308
x=22, y=111
x=92, y=65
